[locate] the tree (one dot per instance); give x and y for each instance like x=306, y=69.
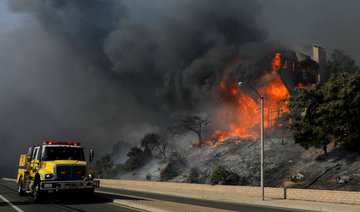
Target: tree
x=161, y=147
x=153, y=141
x=307, y=130
x=147, y=141
x=178, y=154
x=330, y=113
x=191, y=124
x=135, y=158
x=341, y=111
x=340, y=62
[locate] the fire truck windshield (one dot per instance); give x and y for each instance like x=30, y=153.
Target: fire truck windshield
x=62, y=153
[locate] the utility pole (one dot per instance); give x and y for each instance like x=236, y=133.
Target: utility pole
x=242, y=84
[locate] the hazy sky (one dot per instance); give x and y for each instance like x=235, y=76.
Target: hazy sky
x=332, y=24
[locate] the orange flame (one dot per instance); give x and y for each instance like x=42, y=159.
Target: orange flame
x=234, y=91
x=285, y=64
x=241, y=117
x=308, y=85
x=276, y=63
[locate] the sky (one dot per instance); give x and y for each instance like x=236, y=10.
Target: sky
x=331, y=24
x=102, y=71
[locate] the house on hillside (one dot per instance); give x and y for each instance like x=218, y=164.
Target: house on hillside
x=299, y=70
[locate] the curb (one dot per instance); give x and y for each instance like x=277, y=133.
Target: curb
x=138, y=206
x=132, y=204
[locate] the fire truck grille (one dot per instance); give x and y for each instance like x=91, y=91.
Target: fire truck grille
x=78, y=171
x=63, y=171
x=69, y=171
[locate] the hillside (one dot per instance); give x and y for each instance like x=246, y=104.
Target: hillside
x=283, y=159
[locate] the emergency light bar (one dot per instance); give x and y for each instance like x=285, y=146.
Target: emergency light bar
x=62, y=142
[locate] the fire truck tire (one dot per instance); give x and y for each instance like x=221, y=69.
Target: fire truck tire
x=37, y=193
x=20, y=189
x=89, y=192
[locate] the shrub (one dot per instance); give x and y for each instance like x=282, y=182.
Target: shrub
x=224, y=176
x=103, y=167
x=148, y=177
x=170, y=171
x=194, y=175
x=135, y=159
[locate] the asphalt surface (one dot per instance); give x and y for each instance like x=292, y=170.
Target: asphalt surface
x=199, y=202
x=11, y=201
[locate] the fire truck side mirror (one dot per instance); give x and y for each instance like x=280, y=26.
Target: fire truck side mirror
x=30, y=152
x=91, y=155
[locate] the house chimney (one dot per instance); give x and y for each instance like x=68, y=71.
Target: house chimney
x=319, y=55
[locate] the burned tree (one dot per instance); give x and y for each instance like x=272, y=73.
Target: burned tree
x=147, y=141
x=153, y=141
x=191, y=124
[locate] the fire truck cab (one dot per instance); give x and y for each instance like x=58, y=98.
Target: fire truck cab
x=55, y=166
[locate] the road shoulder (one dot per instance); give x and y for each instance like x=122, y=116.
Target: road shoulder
x=238, y=199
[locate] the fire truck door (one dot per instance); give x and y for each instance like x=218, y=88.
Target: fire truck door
x=35, y=161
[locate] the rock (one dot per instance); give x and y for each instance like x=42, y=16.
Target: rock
x=297, y=177
x=343, y=179
x=333, y=160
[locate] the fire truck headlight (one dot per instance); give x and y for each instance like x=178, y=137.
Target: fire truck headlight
x=90, y=176
x=47, y=176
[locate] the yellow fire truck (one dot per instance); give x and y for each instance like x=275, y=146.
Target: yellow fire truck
x=55, y=166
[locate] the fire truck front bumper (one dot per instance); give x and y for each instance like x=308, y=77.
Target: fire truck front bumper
x=68, y=185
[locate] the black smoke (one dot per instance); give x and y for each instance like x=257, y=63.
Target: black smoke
x=82, y=24
x=103, y=70
x=181, y=55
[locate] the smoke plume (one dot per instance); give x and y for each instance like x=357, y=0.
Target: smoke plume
x=103, y=70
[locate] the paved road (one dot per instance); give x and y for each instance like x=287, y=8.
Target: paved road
x=54, y=203
x=10, y=201
x=199, y=202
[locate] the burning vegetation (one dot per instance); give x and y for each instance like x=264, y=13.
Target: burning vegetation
x=241, y=117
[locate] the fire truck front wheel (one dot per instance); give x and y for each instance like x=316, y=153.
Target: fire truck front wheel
x=89, y=193
x=38, y=194
x=20, y=189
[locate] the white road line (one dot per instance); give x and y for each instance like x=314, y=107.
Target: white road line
x=9, y=179
x=12, y=205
